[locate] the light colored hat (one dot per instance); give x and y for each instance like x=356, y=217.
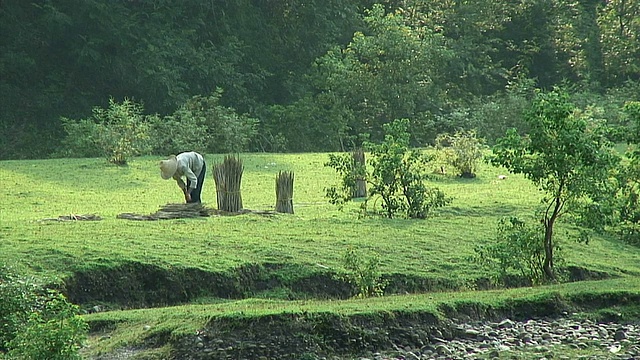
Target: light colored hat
x=168, y=167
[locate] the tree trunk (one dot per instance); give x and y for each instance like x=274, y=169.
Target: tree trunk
x=360, y=188
x=547, y=266
x=284, y=192
x=228, y=178
x=549, y=222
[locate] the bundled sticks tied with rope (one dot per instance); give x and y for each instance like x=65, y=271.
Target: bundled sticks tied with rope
x=228, y=177
x=284, y=192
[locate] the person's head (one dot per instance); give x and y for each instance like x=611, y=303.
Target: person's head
x=168, y=167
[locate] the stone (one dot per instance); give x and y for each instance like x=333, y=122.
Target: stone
x=620, y=335
x=505, y=324
x=443, y=350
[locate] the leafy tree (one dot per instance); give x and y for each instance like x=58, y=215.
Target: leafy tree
x=389, y=71
x=619, y=22
x=628, y=198
x=566, y=154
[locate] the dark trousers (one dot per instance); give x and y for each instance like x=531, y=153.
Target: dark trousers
x=195, y=193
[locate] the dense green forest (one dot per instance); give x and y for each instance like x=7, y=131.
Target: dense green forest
x=309, y=75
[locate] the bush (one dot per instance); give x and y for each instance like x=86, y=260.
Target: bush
x=462, y=150
x=179, y=132
x=395, y=173
x=118, y=132
x=398, y=175
x=364, y=273
x=205, y=125
x=350, y=171
x=493, y=115
x=37, y=323
x=518, y=248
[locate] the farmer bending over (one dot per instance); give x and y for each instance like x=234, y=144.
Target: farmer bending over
x=190, y=165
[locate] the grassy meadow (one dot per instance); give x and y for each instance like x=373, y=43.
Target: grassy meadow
x=315, y=238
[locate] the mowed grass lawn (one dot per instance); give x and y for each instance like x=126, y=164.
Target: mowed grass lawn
x=317, y=234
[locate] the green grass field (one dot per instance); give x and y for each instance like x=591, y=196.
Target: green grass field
x=313, y=239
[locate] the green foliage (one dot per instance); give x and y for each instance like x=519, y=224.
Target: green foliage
x=313, y=123
x=178, y=132
x=16, y=297
x=225, y=130
x=118, y=132
x=315, y=75
x=566, y=154
x=462, y=150
x=388, y=71
x=364, y=273
x=617, y=207
x=493, y=115
x=37, y=323
x=349, y=172
x=518, y=247
x=398, y=175
x=395, y=173
x=628, y=199
x=203, y=124
x=619, y=24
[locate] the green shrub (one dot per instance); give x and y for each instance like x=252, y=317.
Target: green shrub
x=398, y=175
x=518, y=248
x=37, y=323
x=364, y=273
x=462, y=150
x=117, y=133
x=349, y=171
x=493, y=115
x=16, y=297
x=205, y=125
x=80, y=141
x=395, y=173
x=181, y=131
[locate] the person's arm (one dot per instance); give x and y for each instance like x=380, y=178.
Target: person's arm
x=181, y=183
x=193, y=179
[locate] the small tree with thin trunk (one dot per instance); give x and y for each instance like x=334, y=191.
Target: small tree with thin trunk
x=566, y=154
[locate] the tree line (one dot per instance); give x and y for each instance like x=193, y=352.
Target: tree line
x=314, y=75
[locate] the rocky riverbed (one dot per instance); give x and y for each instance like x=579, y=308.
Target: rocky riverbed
x=561, y=338
x=491, y=339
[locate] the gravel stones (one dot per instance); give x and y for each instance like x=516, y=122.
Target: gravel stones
x=484, y=340
x=465, y=340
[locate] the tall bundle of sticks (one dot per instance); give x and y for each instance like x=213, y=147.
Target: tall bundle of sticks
x=284, y=192
x=359, y=169
x=228, y=176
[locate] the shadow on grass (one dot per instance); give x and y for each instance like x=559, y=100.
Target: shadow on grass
x=497, y=210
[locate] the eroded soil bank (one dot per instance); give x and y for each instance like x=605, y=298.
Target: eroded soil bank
x=136, y=285
x=467, y=331
x=375, y=335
